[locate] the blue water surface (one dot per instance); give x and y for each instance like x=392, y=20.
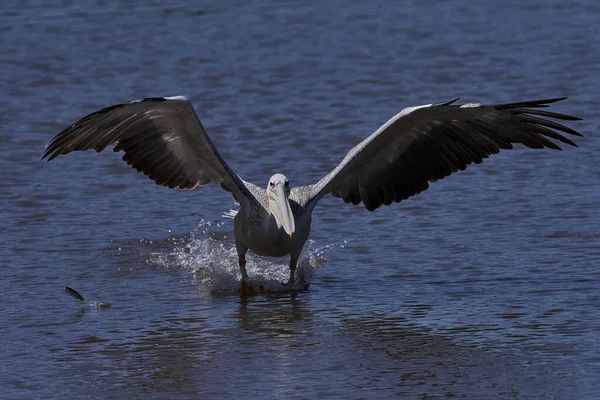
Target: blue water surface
x=485, y=286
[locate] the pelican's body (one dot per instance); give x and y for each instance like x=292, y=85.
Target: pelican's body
x=259, y=227
x=163, y=138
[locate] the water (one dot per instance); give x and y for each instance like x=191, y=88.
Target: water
x=485, y=286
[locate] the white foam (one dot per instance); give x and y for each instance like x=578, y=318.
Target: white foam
x=230, y=214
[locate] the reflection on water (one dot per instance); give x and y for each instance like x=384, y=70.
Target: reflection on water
x=266, y=341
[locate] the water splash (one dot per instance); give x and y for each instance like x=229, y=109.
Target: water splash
x=209, y=254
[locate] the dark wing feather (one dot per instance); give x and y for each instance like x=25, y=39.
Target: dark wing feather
x=425, y=144
x=161, y=137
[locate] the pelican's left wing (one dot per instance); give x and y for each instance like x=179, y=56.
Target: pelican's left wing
x=427, y=143
x=162, y=137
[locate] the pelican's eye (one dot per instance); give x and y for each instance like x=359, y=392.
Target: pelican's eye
x=272, y=184
x=287, y=183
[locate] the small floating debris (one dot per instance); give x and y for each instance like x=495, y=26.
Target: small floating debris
x=93, y=304
x=74, y=293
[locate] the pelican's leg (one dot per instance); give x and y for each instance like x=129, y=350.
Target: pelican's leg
x=241, y=250
x=242, y=262
x=293, y=263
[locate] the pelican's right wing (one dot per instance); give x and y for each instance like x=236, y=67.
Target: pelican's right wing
x=427, y=143
x=162, y=137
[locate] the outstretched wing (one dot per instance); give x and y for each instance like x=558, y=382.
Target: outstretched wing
x=427, y=143
x=162, y=137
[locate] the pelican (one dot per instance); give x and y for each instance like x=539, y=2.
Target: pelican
x=163, y=138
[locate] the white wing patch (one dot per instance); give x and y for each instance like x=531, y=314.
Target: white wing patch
x=396, y=117
x=176, y=98
x=389, y=122
x=408, y=110
x=471, y=105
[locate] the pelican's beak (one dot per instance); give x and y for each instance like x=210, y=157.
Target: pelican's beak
x=280, y=206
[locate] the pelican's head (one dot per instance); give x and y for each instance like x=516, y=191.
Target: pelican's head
x=278, y=191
